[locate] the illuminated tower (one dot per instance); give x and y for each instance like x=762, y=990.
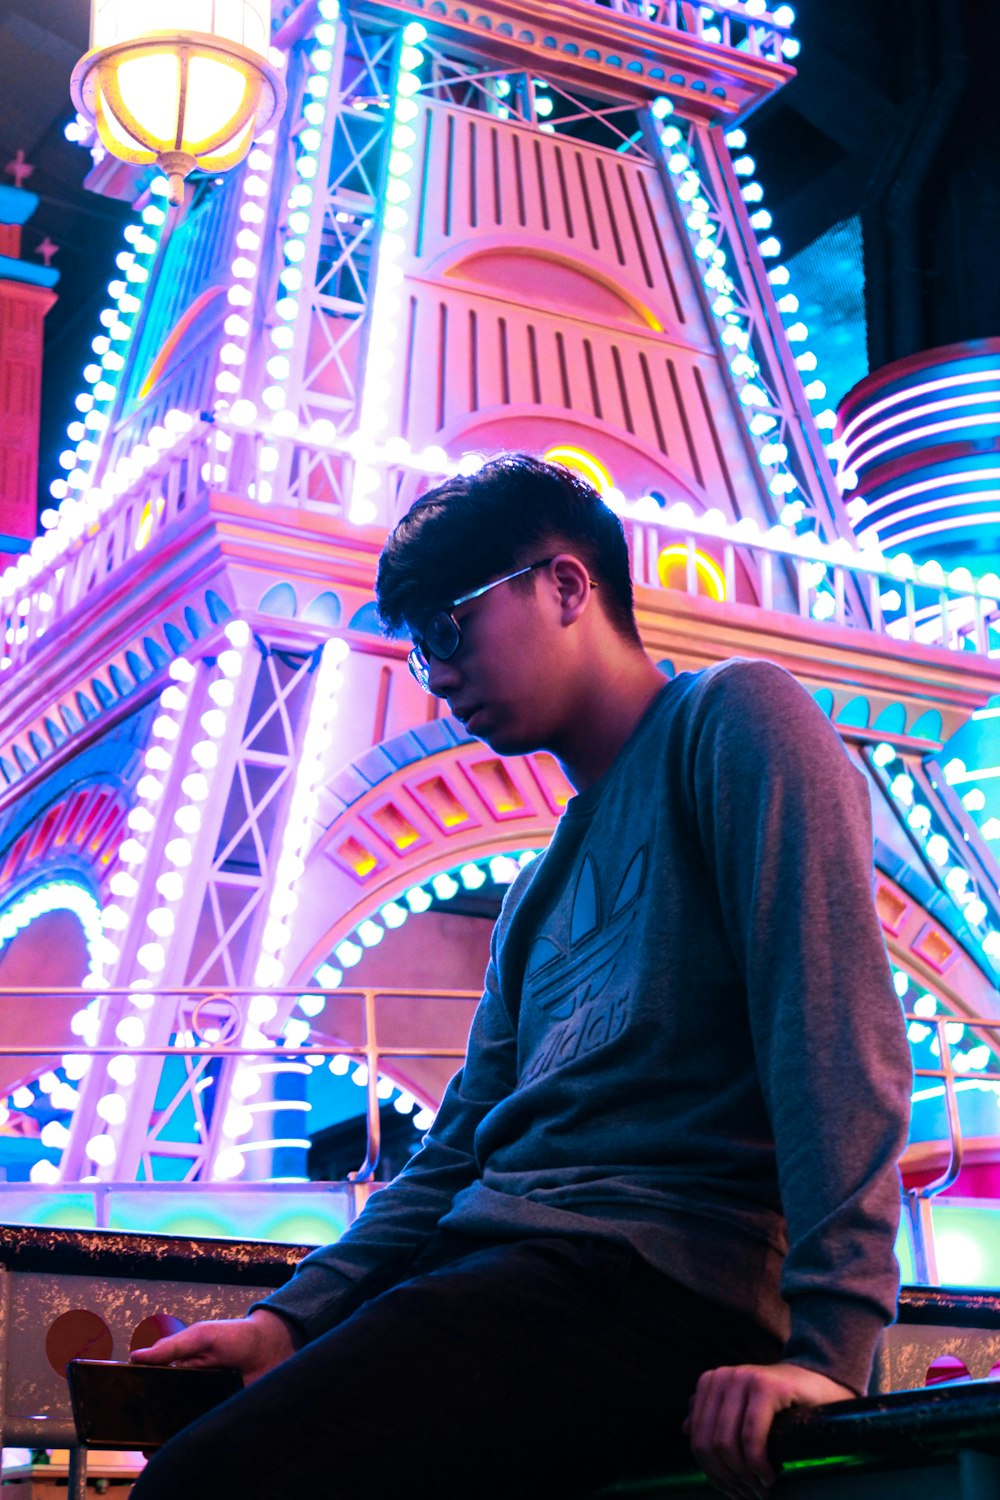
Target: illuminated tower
x=477, y=227
x=25, y=297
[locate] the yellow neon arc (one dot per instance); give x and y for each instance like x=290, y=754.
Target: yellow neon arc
x=707, y=569
x=582, y=463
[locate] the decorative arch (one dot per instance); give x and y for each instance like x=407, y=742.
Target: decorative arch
x=79, y=831
x=563, y=283
x=922, y=946
x=49, y=927
x=420, y=803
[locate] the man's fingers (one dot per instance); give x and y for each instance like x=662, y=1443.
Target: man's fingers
x=731, y=1414
x=715, y=1428
x=759, y=1413
x=190, y=1346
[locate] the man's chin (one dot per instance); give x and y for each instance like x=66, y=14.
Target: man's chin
x=504, y=740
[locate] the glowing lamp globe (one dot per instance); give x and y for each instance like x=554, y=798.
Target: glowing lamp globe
x=183, y=83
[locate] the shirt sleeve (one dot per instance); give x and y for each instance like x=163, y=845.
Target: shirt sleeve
x=399, y=1219
x=785, y=821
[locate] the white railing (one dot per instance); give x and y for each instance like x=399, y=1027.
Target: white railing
x=210, y=1024
x=746, y=24
x=66, y=567
x=212, y=1020
x=799, y=574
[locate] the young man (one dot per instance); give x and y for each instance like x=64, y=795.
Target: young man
x=665, y=1178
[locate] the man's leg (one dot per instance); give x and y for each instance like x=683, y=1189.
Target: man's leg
x=544, y=1367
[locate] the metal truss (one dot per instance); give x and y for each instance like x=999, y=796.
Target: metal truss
x=118, y=1012
x=234, y=899
x=528, y=99
x=757, y=310
x=240, y=871
x=179, y=1091
x=325, y=358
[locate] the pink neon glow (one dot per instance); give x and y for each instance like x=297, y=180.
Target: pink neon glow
x=929, y=431
x=937, y=483
x=972, y=377
x=857, y=450
x=936, y=528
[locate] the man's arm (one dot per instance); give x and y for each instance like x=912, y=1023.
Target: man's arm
x=399, y=1219
x=784, y=819
x=396, y=1222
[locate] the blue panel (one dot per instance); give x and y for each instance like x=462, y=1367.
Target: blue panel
x=120, y=681
x=857, y=713
x=175, y=638
x=70, y=719
x=102, y=692
x=824, y=698
x=433, y=736
x=194, y=622
x=280, y=600
x=194, y=259
x=666, y=667
x=16, y=204
x=23, y=759
x=374, y=765
x=892, y=719
x=39, y=746
x=928, y=726
x=56, y=734
x=155, y=653
x=139, y=668
x=366, y=619
x=325, y=609
x=87, y=707
x=26, y=270
x=218, y=609
x=403, y=749
x=9, y=772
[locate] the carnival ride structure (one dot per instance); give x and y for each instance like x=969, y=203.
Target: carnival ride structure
x=245, y=864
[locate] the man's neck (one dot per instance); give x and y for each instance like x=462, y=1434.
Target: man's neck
x=611, y=706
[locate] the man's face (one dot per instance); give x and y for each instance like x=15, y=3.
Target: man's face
x=503, y=680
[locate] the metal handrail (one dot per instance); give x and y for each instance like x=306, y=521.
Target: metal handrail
x=369, y=1050
x=373, y=1053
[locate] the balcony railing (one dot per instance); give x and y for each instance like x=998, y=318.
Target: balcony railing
x=212, y=1020
x=748, y=25
x=215, y=1025
x=793, y=574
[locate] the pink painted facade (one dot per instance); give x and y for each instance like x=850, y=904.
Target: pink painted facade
x=469, y=233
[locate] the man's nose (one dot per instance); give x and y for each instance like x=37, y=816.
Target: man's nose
x=442, y=676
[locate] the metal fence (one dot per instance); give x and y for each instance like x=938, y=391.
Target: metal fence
x=211, y=1022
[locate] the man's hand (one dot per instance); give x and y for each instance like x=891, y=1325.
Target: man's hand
x=253, y=1345
x=731, y=1414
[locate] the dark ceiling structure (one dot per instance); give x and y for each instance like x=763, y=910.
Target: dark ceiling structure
x=893, y=121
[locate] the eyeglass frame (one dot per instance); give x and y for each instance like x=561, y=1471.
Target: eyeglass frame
x=419, y=658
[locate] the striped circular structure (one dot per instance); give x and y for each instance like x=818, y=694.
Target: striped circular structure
x=923, y=437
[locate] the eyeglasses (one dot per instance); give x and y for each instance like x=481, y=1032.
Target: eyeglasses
x=442, y=634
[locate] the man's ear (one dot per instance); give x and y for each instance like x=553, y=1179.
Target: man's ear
x=574, y=585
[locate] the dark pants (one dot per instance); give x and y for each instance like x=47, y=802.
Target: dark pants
x=544, y=1367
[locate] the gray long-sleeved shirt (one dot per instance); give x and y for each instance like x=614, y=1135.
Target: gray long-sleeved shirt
x=689, y=1038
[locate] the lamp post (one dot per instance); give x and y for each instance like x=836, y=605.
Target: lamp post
x=183, y=83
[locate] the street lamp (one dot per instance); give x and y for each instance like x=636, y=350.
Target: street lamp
x=183, y=83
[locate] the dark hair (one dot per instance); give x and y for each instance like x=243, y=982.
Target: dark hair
x=514, y=510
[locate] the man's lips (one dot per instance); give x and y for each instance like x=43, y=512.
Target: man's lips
x=465, y=714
